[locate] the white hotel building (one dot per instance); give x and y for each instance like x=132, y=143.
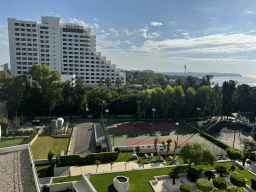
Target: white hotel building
x=66, y=47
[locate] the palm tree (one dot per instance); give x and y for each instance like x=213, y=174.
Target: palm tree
x=118, y=83
x=108, y=82
x=169, y=141
x=97, y=162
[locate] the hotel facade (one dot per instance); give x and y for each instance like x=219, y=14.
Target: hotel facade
x=66, y=47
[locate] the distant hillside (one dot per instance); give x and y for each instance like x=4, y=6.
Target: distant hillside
x=198, y=74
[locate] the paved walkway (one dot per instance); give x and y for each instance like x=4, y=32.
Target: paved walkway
x=83, y=139
x=120, y=166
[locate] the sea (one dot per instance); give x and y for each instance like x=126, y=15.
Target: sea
x=245, y=79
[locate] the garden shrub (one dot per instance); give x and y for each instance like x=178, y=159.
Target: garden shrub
x=220, y=183
x=235, y=189
x=204, y=185
x=89, y=158
x=185, y=188
x=118, y=150
x=253, y=180
x=221, y=170
x=238, y=180
x=209, y=174
x=194, y=174
x=253, y=157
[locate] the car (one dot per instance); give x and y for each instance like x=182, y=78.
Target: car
x=36, y=122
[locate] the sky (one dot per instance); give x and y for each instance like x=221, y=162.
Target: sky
x=159, y=35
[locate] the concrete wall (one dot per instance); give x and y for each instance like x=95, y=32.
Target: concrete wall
x=88, y=184
x=59, y=170
x=70, y=140
x=61, y=186
x=13, y=148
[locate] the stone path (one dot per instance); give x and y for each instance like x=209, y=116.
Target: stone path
x=120, y=166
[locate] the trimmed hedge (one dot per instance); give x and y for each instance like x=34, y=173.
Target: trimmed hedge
x=204, y=185
x=89, y=158
x=220, y=183
x=238, y=180
x=206, y=136
x=185, y=188
x=253, y=180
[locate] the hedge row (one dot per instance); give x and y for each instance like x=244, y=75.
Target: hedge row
x=89, y=158
x=207, y=136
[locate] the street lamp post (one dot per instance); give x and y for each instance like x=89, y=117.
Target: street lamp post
x=153, y=119
x=178, y=133
x=139, y=110
x=102, y=111
x=106, y=114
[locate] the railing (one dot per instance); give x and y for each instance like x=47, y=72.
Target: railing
x=105, y=131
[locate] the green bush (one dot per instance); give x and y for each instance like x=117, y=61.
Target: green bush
x=194, y=174
x=221, y=170
x=253, y=180
x=238, y=180
x=209, y=175
x=89, y=158
x=118, y=150
x=235, y=189
x=204, y=185
x=220, y=183
x=185, y=188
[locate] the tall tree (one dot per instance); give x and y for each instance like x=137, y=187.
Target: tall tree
x=217, y=100
x=228, y=89
x=168, y=99
x=189, y=99
x=144, y=97
x=118, y=83
x=248, y=146
x=168, y=147
x=157, y=100
x=234, y=154
x=179, y=100
x=203, y=99
x=49, y=81
x=108, y=82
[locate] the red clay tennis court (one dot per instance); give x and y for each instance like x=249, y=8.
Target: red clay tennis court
x=140, y=127
x=182, y=141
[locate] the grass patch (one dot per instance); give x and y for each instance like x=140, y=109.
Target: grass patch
x=126, y=156
x=67, y=179
x=44, y=171
x=11, y=142
x=139, y=180
x=44, y=144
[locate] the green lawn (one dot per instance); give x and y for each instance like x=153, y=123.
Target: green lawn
x=11, y=142
x=126, y=156
x=44, y=171
x=67, y=179
x=139, y=180
x=44, y=144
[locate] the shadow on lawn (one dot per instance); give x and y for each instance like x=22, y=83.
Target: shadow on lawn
x=111, y=188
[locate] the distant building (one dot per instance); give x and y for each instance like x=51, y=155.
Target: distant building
x=66, y=47
x=5, y=67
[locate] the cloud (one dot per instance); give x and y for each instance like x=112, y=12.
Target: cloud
x=82, y=23
x=127, y=32
x=114, y=31
x=148, y=36
x=109, y=43
x=95, y=19
x=156, y=24
x=127, y=42
x=186, y=34
x=248, y=12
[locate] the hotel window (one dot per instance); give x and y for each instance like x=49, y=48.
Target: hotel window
x=33, y=25
x=16, y=24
